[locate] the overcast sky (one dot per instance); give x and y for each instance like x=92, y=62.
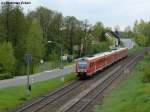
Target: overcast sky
x=109, y=12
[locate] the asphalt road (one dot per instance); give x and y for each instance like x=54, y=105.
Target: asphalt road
x=22, y=80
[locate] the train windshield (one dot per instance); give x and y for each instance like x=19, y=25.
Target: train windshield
x=82, y=65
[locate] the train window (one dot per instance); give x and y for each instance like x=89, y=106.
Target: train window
x=82, y=65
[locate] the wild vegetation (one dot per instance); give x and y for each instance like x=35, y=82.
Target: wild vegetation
x=9, y=99
x=133, y=95
x=140, y=32
x=29, y=33
x=42, y=32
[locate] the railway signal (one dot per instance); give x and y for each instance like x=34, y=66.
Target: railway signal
x=28, y=60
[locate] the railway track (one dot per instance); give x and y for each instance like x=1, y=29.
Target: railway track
x=81, y=102
x=54, y=96
x=46, y=99
x=61, y=99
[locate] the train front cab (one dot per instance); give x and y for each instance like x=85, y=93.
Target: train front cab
x=82, y=68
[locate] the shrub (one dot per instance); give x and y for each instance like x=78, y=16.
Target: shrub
x=5, y=76
x=141, y=40
x=146, y=75
x=147, y=55
x=146, y=71
x=7, y=59
x=101, y=47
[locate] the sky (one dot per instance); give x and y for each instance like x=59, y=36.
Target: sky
x=111, y=13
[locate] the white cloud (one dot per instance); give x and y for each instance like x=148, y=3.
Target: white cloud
x=91, y=1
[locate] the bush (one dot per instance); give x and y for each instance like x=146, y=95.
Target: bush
x=5, y=76
x=146, y=71
x=101, y=47
x=7, y=59
x=147, y=55
x=146, y=75
x=141, y=40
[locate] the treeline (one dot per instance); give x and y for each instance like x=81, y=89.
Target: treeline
x=42, y=33
x=140, y=32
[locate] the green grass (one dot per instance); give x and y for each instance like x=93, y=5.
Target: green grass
x=49, y=66
x=135, y=49
x=14, y=96
x=133, y=95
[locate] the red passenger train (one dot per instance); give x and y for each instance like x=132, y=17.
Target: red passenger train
x=87, y=66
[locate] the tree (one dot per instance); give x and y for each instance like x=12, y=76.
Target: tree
x=30, y=33
x=7, y=59
x=80, y=38
x=14, y=25
x=70, y=32
x=55, y=34
x=142, y=32
x=99, y=31
x=44, y=16
x=34, y=42
x=141, y=40
x=51, y=24
x=55, y=28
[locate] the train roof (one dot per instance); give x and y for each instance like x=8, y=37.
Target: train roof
x=101, y=54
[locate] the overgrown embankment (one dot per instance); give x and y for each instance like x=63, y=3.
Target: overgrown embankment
x=133, y=95
x=14, y=96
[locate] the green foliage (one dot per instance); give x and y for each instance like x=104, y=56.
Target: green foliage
x=54, y=56
x=142, y=32
x=30, y=33
x=132, y=95
x=5, y=76
x=45, y=18
x=100, y=47
x=146, y=75
x=46, y=66
x=99, y=31
x=135, y=48
x=34, y=43
x=146, y=70
x=72, y=27
x=14, y=27
x=10, y=99
x=7, y=59
x=141, y=40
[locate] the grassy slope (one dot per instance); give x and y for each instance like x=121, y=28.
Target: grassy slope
x=135, y=49
x=132, y=95
x=14, y=96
